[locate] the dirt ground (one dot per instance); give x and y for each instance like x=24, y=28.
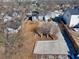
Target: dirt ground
x=22, y=47
x=2, y=50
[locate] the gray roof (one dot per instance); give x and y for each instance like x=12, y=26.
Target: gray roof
x=74, y=11
x=14, y=24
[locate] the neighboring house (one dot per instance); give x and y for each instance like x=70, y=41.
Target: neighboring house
x=7, y=18
x=13, y=26
x=53, y=15
x=58, y=13
x=35, y=15
x=40, y=17
x=14, y=13
x=10, y=15
x=71, y=17
x=11, y=30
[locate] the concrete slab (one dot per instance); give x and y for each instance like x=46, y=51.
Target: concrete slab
x=58, y=46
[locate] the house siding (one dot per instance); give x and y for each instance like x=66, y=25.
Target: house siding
x=74, y=20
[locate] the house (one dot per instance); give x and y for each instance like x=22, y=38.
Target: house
x=53, y=14
x=7, y=18
x=13, y=26
x=71, y=17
